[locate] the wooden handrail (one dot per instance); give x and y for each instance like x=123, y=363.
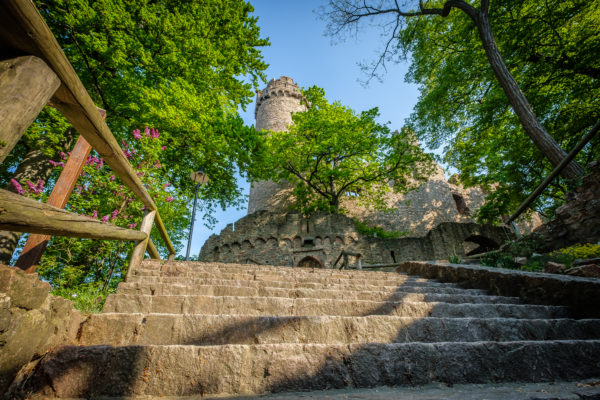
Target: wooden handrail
x=24, y=31
x=22, y=214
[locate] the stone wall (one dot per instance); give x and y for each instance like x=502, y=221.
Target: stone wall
x=32, y=321
x=578, y=220
x=288, y=239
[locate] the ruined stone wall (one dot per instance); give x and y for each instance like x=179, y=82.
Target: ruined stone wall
x=32, y=321
x=274, y=107
x=578, y=220
x=288, y=238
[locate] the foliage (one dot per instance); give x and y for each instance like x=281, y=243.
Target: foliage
x=182, y=67
x=548, y=47
x=526, y=247
x=377, y=231
x=88, y=298
x=331, y=152
x=79, y=266
x=583, y=251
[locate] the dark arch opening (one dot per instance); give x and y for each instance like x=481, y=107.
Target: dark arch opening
x=485, y=244
x=309, y=262
x=461, y=205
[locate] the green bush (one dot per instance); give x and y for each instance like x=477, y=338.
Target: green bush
x=378, y=231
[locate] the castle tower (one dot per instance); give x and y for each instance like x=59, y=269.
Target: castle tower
x=274, y=107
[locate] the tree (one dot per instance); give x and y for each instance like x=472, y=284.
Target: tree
x=346, y=15
x=463, y=105
x=183, y=67
x=330, y=151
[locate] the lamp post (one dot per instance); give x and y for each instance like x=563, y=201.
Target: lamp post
x=200, y=178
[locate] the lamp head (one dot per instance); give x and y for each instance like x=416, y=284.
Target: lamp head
x=199, y=176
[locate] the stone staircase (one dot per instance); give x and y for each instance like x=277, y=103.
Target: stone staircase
x=185, y=328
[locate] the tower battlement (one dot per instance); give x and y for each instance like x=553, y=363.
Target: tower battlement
x=282, y=87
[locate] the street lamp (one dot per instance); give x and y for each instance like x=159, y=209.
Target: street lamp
x=200, y=178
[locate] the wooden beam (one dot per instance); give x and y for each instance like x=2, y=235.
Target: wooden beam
x=36, y=244
x=21, y=214
x=137, y=255
x=26, y=85
x=163, y=232
x=152, y=250
x=23, y=30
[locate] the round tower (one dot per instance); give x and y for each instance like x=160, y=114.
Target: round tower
x=274, y=107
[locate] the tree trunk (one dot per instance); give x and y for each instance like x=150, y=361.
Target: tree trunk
x=35, y=166
x=547, y=145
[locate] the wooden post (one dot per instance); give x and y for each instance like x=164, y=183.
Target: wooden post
x=26, y=85
x=36, y=244
x=140, y=248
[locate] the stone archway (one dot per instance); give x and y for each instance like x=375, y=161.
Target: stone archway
x=484, y=244
x=309, y=262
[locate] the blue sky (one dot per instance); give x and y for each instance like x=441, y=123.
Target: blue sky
x=300, y=50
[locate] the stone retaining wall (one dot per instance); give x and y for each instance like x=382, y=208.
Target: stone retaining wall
x=581, y=295
x=32, y=321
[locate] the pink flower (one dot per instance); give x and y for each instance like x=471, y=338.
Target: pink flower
x=128, y=154
x=114, y=214
x=18, y=188
x=157, y=164
x=155, y=134
x=32, y=188
x=140, y=174
x=132, y=226
x=124, y=143
x=53, y=163
x=105, y=218
x=40, y=185
x=61, y=164
x=147, y=131
x=163, y=148
x=95, y=214
x=143, y=208
x=112, y=178
x=136, y=134
x=169, y=199
x=166, y=185
x=63, y=155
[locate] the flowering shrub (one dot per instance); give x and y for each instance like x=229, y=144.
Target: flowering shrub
x=76, y=266
x=586, y=250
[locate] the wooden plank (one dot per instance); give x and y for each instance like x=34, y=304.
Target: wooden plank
x=163, y=232
x=36, y=244
x=152, y=250
x=21, y=214
x=23, y=30
x=137, y=255
x=26, y=85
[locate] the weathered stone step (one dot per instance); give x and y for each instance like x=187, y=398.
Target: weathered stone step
x=241, y=305
x=406, y=294
x=197, y=329
x=247, y=268
x=251, y=369
x=424, y=287
x=392, y=280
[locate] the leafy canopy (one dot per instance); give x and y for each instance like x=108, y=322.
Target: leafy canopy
x=550, y=49
x=331, y=152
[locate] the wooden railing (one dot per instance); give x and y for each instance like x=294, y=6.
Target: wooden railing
x=36, y=72
x=346, y=263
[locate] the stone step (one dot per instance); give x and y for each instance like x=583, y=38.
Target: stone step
x=394, y=279
x=432, y=294
x=179, y=370
x=387, y=288
x=247, y=268
x=241, y=305
x=197, y=329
